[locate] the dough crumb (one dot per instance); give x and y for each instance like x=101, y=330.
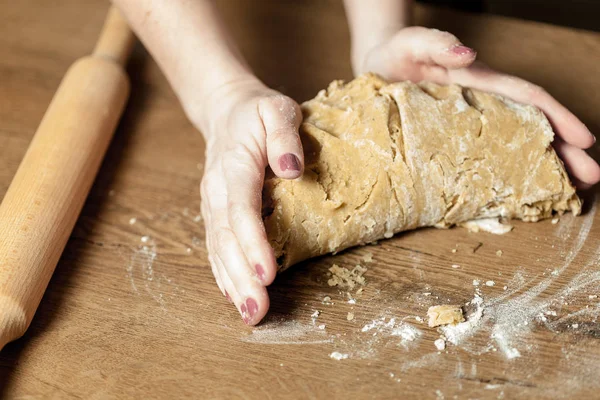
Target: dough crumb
x=445, y=315
x=350, y=316
x=344, y=278
x=368, y=257
x=326, y=300
x=455, y=266
x=454, y=250
x=145, y=239
x=499, y=253
x=555, y=220
x=440, y=344
x=188, y=250
x=476, y=282
x=490, y=283
x=490, y=225
x=336, y=355
x=132, y=221
x=198, y=218
x=592, y=296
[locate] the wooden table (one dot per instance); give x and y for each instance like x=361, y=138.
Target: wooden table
x=126, y=319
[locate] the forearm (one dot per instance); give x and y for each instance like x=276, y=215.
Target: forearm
x=191, y=45
x=372, y=22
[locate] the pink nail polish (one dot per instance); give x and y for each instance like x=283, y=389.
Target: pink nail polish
x=252, y=307
x=228, y=297
x=289, y=162
x=260, y=271
x=461, y=50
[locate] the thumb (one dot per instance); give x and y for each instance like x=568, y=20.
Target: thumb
x=281, y=117
x=431, y=46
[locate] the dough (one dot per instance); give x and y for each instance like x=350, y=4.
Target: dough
x=383, y=158
x=444, y=315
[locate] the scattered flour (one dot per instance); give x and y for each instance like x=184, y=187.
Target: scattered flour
x=287, y=332
x=336, y=355
x=402, y=329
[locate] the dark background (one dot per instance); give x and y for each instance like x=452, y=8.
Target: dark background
x=582, y=14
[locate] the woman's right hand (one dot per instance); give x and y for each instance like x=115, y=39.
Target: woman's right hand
x=247, y=126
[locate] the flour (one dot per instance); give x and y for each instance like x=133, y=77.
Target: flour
x=336, y=355
x=392, y=327
x=287, y=332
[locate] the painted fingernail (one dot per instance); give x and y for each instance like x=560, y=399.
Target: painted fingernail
x=461, y=50
x=252, y=307
x=260, y=271
x=289, y=162
x=228, y=297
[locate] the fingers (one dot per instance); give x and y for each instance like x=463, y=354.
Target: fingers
x=244, y=180
x=581, y=166
x=230, y=266
x=281, y=117
x=566, y=125
x=431, y=46
x=248, y=294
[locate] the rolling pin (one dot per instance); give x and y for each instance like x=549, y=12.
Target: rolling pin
x=41, y=206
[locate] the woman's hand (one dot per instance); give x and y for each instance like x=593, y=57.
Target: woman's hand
x=247, y=126
x=417, y=54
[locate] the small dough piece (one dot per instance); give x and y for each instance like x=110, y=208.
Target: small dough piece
x=384, y=158
x=344, y=278
x=445, y=315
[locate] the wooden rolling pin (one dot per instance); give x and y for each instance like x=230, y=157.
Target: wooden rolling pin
x=42, y=204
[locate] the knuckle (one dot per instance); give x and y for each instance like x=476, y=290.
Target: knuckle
x=536, y=90
x=240, y=161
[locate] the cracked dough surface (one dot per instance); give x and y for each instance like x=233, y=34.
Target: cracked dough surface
x=383, y=158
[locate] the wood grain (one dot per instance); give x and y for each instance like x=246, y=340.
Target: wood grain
x=122, y=321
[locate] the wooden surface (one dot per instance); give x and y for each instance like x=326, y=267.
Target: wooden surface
x=120, y=320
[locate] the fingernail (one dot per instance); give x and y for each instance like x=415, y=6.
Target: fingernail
x=461, y=50
x=252, y=307
x=289, y=162
x=260, y=272
x=228, y=297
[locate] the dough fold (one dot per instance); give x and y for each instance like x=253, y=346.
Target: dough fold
x=384, y=158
